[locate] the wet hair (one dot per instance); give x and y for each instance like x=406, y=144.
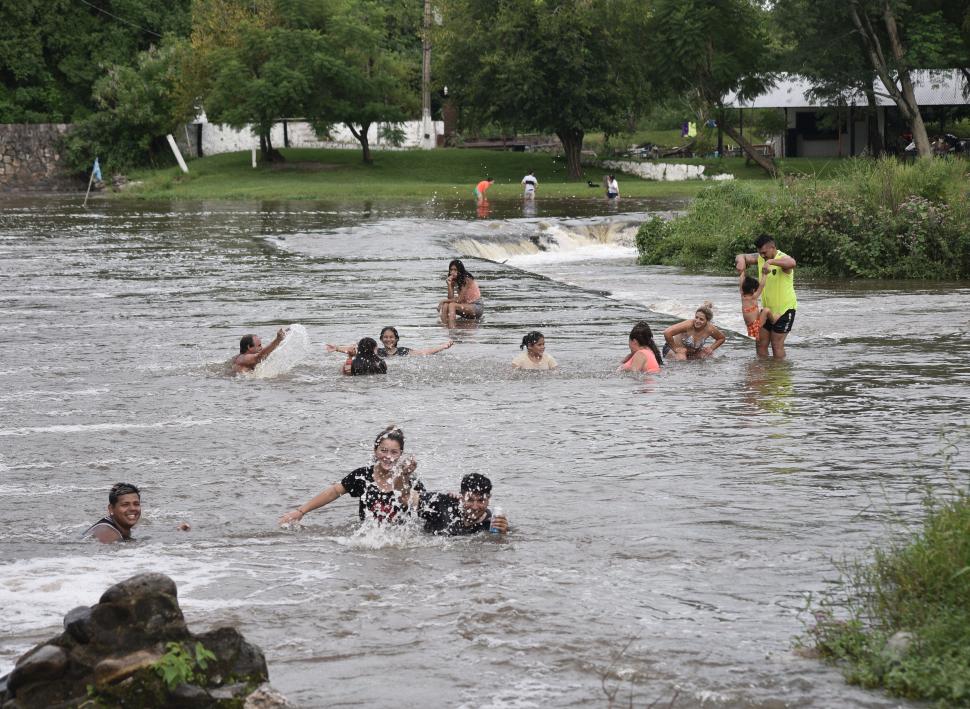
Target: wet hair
x=391, y=329
x=707, y=309
x=763, y=239
x=463, y=275
x=119, y=489
x=391, y=433
x=530, y=339
x=749, y=285
x=367, y=361
x=477, y=483
x=245, y=342
x=643, y=335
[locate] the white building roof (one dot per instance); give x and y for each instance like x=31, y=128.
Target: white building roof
x=946, y=87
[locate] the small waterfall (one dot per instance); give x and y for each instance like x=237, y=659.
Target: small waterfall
x=561, y=240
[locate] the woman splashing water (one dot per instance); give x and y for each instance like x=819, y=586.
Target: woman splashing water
x=688, y=339
x=384, y=488
x=464, y=297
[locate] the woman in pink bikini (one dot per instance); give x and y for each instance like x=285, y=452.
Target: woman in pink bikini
x=644, y=355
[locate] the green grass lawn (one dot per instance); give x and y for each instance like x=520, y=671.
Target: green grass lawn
x=406, y=175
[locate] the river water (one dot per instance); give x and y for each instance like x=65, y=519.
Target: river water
x=666, y=531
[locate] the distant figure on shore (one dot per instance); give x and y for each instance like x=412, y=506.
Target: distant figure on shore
x=464, y=297
x=384, y=488
x=688, y=339
x=535, y=356
x=530, y=184
x=778, y=295
x=644, y=355
x=252, y=352
x=754, y=315
x=364, y=360
x=124, y=511
x=467, y=513
x=612, y=187
x=389, y=338
x=481, y=188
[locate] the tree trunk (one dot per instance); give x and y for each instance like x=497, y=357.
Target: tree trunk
x=765, y=163
x=903, y=95
x=266, y=149
x=361, y=136
x=572, y=145
x=873, y=131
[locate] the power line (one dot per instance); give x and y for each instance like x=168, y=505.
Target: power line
x=120, y=19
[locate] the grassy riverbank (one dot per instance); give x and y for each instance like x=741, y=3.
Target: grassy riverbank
x=901, y=621
x=871, y=219
x=412, y=174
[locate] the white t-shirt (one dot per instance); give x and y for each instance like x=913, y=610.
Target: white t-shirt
x=530, y=182
x=613, y=187
x=523, y=361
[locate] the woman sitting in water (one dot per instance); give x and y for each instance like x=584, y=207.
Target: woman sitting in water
x=389, y=339
x=688, y=339
x=644, y=355
x=363, y=359
x=535, y=356
x=464, y=297
x=384, y=488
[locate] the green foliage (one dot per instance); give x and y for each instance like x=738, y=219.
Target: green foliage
x=52, y=52
x=135, y=110
x=182, y=666
x=876, y=219
x=559, y=66
x=919, y=586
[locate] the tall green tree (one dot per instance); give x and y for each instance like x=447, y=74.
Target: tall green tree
x=708, y=49
x=53, y=51
x=378, y=69
x=268, y=74
x=561, y=66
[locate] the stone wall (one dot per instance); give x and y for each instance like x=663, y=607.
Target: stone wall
x=30, y=157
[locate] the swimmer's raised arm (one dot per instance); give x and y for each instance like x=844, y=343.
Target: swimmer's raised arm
x=346, y=349
x=433, y=350
x=324, y=498
x=742, y=261
x=268, y=350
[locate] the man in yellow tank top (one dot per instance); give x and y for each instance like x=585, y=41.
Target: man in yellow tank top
x=778, y=295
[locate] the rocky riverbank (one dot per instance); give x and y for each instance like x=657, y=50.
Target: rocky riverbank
x=133, y=649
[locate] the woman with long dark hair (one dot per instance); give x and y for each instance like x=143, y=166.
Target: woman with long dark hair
x=464, y=297
x=644, y=355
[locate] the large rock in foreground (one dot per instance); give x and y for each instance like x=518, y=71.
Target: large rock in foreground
x=133, y=649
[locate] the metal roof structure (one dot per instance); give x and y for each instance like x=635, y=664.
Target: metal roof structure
x=944, y=87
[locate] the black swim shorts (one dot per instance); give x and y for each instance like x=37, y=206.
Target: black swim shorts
x=782, y=324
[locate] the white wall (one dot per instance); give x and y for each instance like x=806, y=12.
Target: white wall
x=218, y=138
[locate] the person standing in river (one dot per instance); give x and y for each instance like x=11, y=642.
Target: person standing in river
x=778, y=270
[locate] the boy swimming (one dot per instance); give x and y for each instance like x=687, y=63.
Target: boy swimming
x=754, y=315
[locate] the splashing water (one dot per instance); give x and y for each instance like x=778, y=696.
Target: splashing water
x=290, y=352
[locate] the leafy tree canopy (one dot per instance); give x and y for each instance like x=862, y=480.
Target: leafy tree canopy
x=561, y=66
x=53, y=51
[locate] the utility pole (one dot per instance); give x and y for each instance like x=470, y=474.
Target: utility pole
x=428, y=139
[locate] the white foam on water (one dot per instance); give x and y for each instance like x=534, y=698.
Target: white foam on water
x=87, y=427
x=289, y=353
x=36, y=594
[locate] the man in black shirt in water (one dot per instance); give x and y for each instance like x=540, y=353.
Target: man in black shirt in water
x=468, y=513
x=124, y=511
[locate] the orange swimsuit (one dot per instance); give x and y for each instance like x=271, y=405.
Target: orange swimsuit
x=753, y=327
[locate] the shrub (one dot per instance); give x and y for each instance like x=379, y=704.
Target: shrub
x=877, y=219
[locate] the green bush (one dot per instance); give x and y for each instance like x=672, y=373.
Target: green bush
x=922, y=588
x=876, y=219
